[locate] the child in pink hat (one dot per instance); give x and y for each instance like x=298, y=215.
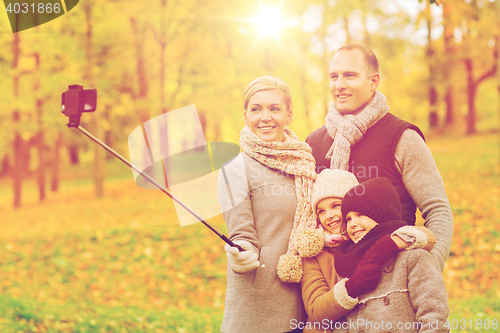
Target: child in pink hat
x=326, y=308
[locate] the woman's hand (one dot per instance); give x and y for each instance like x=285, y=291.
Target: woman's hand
x=242, y=262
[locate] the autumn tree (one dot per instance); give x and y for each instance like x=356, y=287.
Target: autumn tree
x=479, y=52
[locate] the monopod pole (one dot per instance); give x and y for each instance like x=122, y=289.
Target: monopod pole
x=162, y=188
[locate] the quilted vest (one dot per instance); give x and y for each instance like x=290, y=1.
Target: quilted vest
x=372, y=156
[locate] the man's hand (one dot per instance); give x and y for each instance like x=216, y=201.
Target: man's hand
x=242, y=262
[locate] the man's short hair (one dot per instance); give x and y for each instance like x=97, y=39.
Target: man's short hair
x=370, y=58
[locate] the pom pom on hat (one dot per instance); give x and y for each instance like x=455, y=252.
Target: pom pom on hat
x=310, y=242
x=290, y=268
x=375, y=198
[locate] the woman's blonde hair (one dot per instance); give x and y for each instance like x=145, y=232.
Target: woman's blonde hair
x=264, y=83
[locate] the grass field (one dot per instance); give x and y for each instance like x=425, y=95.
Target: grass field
x=122, y=263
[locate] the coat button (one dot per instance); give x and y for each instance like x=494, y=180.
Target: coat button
x=388, y=268
x=362, y=306
x=386, y=300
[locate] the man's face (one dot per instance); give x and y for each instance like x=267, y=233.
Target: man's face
x=351, y=85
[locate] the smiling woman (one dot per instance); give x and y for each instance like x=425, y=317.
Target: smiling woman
x=263, y=193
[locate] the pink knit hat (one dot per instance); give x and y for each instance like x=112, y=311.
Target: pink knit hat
x=329, y=183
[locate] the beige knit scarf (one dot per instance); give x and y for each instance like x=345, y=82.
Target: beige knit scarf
x=346, y=130
x=293, y=157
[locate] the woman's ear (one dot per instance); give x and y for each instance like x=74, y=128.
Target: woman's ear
x=289, y=117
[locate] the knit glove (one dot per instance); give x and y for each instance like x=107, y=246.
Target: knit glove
x=382, y=250
x=369, y=270
x=242, y=262
x=415, y=238
x=365, y=278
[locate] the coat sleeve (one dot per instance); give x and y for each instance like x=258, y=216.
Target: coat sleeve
x=427, y=292
x=233, y=193
x=318, y=297
x=425, y=185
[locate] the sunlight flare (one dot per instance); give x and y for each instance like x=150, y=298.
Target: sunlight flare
x=269, y=21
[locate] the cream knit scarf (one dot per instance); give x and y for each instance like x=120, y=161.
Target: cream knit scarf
x=293, y=157
x=346, y=130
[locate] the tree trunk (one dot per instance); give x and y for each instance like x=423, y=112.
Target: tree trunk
x=19, y=145
x=74, y=158
x=21, y=152
x=449, y=66
x=40, y=145
x=471, y=95
x=304, y=46
x=433, y=97
x=346, y=28
x=472, y=86
x=325, y=67
x=98, y=151
x=39, y=137
x=109, y=134
x=55, y=163
x=366, y=34
x=497, y=44
x=433, y=115
x=41, y=166
x=5, y=167
x=140, y=67
x=303, y=82
x=163, y=51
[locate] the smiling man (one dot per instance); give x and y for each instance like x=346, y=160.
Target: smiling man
x=353, y=81
x=361, y=136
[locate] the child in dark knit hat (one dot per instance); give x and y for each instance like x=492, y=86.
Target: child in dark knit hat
x=411, y=294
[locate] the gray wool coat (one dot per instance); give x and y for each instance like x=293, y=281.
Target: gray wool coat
x=258, y=205
x=411, y=297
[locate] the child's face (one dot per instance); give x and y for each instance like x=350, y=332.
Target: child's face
x=358, y=226
x=330, y=215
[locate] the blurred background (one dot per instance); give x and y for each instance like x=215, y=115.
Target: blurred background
x=83, y=249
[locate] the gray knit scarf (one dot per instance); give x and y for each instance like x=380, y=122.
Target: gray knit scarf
x=346, y=130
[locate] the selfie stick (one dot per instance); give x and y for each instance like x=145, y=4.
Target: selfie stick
x=155, y=183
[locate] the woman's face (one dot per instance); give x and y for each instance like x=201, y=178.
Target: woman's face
x=267, y=115
x=329, y=214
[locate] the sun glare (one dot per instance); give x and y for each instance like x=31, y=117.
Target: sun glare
x=269, y=21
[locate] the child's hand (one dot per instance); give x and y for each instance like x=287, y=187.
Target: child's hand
x=242, y=262
x=382, y=250
x=369, y=271
x=365, y=278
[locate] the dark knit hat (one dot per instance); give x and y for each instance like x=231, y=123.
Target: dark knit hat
x=375, y=198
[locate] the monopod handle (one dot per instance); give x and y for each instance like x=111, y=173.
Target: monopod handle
x=158, y=185
x=231, y=243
